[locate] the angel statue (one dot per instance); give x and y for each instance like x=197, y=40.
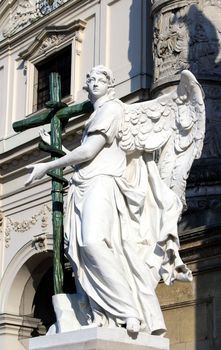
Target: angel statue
x=122, y=206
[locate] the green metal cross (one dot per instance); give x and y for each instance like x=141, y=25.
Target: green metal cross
x=57, y=115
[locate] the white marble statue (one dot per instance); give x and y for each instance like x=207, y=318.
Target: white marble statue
x=122, y=206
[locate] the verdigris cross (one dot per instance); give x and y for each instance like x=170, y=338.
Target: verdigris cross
x=57, y=115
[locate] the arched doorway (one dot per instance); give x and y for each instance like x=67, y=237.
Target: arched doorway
x=25, y=295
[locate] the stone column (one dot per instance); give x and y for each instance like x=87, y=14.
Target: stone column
x=187, y=35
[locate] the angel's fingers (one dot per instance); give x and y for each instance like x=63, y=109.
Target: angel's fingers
x=43, y=133
x=30, y=166
x=45, y=136
x=29, y=181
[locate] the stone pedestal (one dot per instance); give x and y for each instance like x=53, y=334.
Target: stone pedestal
x=99, y=338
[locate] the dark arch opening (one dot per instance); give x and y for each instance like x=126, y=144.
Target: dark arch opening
x=42, y=303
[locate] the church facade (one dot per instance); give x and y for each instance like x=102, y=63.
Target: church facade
x=146, y=44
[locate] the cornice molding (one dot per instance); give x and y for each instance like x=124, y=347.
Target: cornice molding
x=11, y=324
x=14, y=164
x=28, y=32
x=51, y=38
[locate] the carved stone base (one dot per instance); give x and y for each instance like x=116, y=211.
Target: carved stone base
x=99, y=338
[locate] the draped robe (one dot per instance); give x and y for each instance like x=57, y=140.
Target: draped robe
x=121, y=225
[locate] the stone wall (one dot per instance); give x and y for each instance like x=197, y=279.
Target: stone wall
x=187, y=35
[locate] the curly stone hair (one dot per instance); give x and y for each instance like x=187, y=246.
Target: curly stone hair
x=101, y=70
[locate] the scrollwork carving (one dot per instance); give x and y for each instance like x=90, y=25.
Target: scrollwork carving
x=5, y=230
x=188, y=37
x=170, y=44
x=26, y=225
x=51, y=41
x=23, y=15
x=7, y=236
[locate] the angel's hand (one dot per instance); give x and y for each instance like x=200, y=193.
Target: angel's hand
x=38, y=171
x=45, y=136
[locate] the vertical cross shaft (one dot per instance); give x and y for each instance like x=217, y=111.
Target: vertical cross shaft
x=57, y=189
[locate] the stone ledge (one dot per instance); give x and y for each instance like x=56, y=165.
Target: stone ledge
x=99, y=338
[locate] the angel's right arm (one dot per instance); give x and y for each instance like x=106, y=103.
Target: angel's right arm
x=84, y=153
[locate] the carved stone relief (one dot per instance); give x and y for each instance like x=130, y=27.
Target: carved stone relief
x=22, y=15
x=40, y=243
x=188, y=37
x=7, y=237
x=26, y=12
x=26, y=225
x=4, y=230
x=49, y=42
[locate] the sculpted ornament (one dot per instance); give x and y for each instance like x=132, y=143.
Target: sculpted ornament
x=40, y=243
x=188, y=37
x=26, y=225
x=51, y=41
x=27, y=12
x=170, y=43
x=23, y=15
x=123, y=208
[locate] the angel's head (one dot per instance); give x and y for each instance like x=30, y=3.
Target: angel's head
x=99, y=82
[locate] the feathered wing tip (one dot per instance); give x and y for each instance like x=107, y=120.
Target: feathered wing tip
x=186, y=141
x=174, y=124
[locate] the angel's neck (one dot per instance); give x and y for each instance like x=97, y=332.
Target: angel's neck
x=100, y=101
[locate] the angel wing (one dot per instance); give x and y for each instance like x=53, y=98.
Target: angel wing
x=174, y=124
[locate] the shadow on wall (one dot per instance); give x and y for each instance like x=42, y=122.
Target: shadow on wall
x=204, y=185
x=204, y=60
x=140, y=45
x=204, y=41
x=189, y=37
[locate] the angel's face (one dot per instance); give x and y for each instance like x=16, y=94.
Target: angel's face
x=97, y=85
